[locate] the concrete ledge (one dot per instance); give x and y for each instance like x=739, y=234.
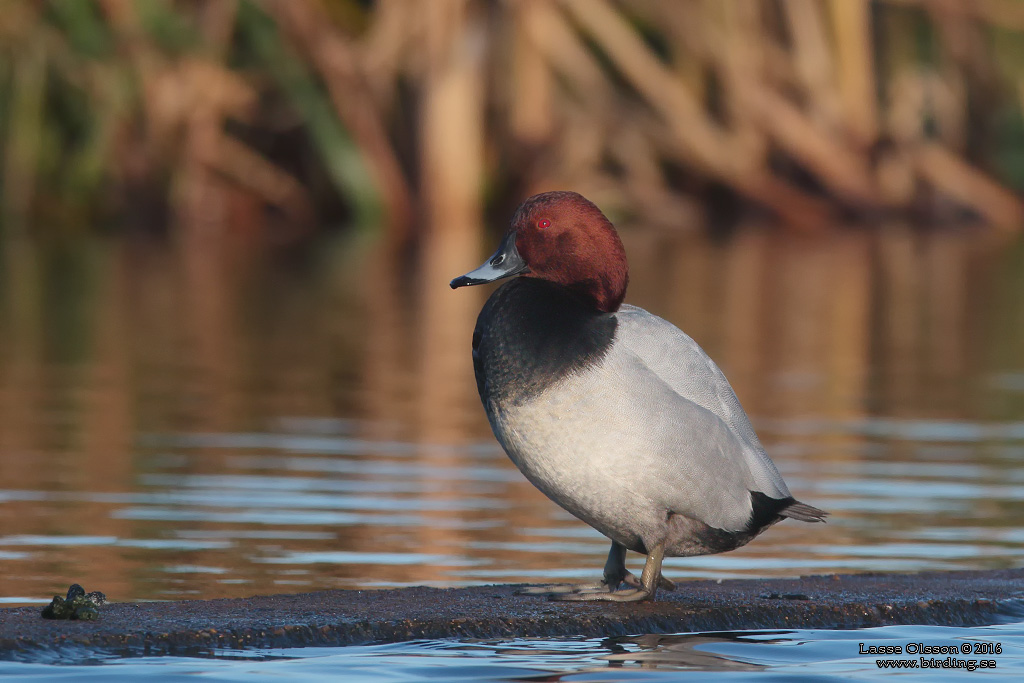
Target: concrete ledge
x=353, y=617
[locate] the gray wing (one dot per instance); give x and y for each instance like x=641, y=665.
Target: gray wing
x=682, y=364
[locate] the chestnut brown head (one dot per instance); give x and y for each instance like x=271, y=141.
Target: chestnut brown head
x=563, y=238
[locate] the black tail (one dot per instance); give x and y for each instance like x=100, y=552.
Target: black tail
x=766, y=511
x=803, y=512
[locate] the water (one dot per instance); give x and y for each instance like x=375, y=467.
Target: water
x=227, y=424
x=731, y=656
x=229, y=514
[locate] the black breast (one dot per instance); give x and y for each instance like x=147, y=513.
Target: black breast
x=531, y=333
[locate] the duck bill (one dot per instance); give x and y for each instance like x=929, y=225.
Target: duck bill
x=505, y=262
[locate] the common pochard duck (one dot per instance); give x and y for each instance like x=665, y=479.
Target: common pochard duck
x=615, y=414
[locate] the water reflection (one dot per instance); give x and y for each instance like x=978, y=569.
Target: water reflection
x=789, y=655
x=684, y=651
x=232, y=423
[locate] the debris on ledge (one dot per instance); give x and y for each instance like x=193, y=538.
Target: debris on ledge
x=77, y=605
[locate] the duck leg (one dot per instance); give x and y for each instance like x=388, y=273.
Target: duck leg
x=615, y=571
x=615, y=574
x=650, y=579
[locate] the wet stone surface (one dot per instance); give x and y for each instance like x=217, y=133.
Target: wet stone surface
x=354, y=617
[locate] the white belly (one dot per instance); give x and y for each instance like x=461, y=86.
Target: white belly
x=624, y=458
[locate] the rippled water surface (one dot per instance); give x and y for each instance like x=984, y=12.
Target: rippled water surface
x=182, y=425
x=737, y=655
x=239, y=513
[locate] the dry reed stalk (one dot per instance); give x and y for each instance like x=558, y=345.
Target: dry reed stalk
x=705, y=141
x=124, y=23
x=907, y=100
x=896, y=178
x=696, y=139
x=24, y=137
x=338, y=60
x=383, y=48
x=955, y=177
x=813, y=61
x=452, y=170
x=1020, y=93
x=916, y=98
x=551, y=35
x=743, y=64
x=684, y=27
x=851, y=22
x=264, y=179
x=644, y=183
x=577, y=159
x=169, y=96
x=799, y=210
x=1007, y=14
x=216, y=24
x=580, y=110
x=201, y=206
x=531, y=96
x=845, y=171
x=188, y=100
x=842, y=169
x=963, y=72
x=452, y=121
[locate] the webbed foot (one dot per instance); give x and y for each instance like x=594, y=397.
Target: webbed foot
x=615, y=576
x=664, y=584
x=557, y=589
x=647, y=587
x=629, y=595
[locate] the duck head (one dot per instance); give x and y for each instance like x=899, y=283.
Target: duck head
x=563, y=238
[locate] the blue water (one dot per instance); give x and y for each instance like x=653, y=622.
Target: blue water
x=737, y=655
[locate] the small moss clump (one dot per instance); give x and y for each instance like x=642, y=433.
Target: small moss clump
x=77, y=605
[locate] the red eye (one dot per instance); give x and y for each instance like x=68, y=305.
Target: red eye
x=543, y=223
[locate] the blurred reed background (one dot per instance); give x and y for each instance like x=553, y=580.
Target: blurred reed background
x=281, y=118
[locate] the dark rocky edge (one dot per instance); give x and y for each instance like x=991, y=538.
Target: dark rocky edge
x=349, y=617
